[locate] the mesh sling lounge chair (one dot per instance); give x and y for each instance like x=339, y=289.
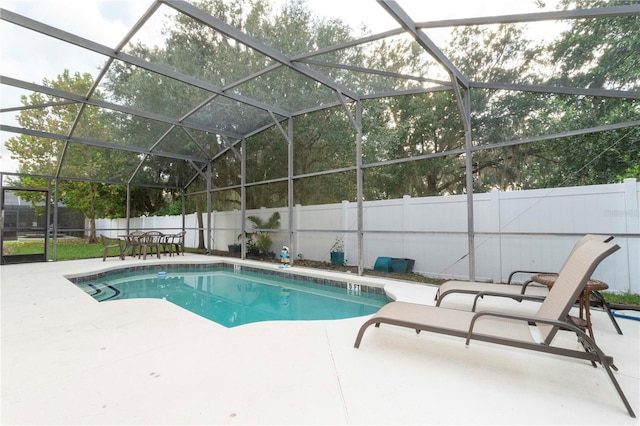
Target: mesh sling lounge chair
x=532, y=292
x=512, y=329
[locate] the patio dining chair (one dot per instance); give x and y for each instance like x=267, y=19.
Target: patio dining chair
x=133, y=242
x=149, y=241
x=110, y=244
x=512, y=329
x=175, y=241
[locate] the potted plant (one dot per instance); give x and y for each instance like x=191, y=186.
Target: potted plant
x=337, y=252
x=259, y=242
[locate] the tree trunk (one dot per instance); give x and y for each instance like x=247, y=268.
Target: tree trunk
x=200, y=216
x=92, y=223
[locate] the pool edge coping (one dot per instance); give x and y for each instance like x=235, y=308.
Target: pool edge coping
x=320, y=277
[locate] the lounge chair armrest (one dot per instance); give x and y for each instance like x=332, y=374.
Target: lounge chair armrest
x=518, y=297
x=529, y=319
x=526, y=272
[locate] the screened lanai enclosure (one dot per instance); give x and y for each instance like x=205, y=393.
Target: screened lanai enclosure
x=469, y=137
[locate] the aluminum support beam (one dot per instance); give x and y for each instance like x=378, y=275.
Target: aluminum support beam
x=375, y=72
x=599, y=12
x=128, y=208
x=464, y=102
x=565, y=134
x=290, y=154
x=410, y=26
x=63, y=154
x=349, y=44
x=90, y=142
x=228, y=30
x=194, y=140
x=578, y=91
x=55, y=219
x=243, y=197
x=184, y=210
x=107, y=105
x=209, y=206
x=347, y=111
x=360, y=187
x=285, y=133
x=108, y=52
x=150, y=11
x=35, y=106
x=469, y=174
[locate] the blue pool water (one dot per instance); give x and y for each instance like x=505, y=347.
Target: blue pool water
x=234, y=296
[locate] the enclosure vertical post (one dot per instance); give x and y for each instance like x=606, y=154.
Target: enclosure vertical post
x=184, y=211
x=466, y=107
x=464, y=103
x=55, y=224
x=209, y=248
x=632, y=220
x=458, y=80
x=243, y=196
x=496, y=238
x=360, y=193
x=290, y=153
x=128, y=207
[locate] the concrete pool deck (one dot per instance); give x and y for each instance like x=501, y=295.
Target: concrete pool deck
x=67, y=359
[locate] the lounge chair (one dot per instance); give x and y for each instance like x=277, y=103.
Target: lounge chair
x=532, y=291
x=513, y=329
x=475, y=287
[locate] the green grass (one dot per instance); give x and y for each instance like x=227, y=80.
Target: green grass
x=622, y=298
x=66, y=249
x=81, y=249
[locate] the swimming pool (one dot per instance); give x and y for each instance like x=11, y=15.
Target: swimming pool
x=233, y=295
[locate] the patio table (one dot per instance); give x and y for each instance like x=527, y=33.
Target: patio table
x=593, y=287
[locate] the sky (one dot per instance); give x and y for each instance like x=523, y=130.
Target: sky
x=32, y=57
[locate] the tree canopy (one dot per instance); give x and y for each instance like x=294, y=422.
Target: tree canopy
x=216, y=89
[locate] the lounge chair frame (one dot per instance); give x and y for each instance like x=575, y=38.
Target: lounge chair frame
x=519, y=292
x=404, y=314
x=526, y=285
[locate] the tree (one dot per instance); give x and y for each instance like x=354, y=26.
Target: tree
x=194, y=49
x=41, y=156
x=431, y=124
x=598, y=54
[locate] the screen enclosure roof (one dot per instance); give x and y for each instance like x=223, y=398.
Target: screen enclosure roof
x=174, y=111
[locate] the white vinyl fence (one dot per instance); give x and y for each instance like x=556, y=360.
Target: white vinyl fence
x=519, y=230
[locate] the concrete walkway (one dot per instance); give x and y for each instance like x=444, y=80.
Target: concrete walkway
x=67, y=359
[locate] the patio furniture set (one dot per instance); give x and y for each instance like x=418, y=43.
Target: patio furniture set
x=504, y=327
x=530, y=291
x=556, y=296
x=139, y=243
